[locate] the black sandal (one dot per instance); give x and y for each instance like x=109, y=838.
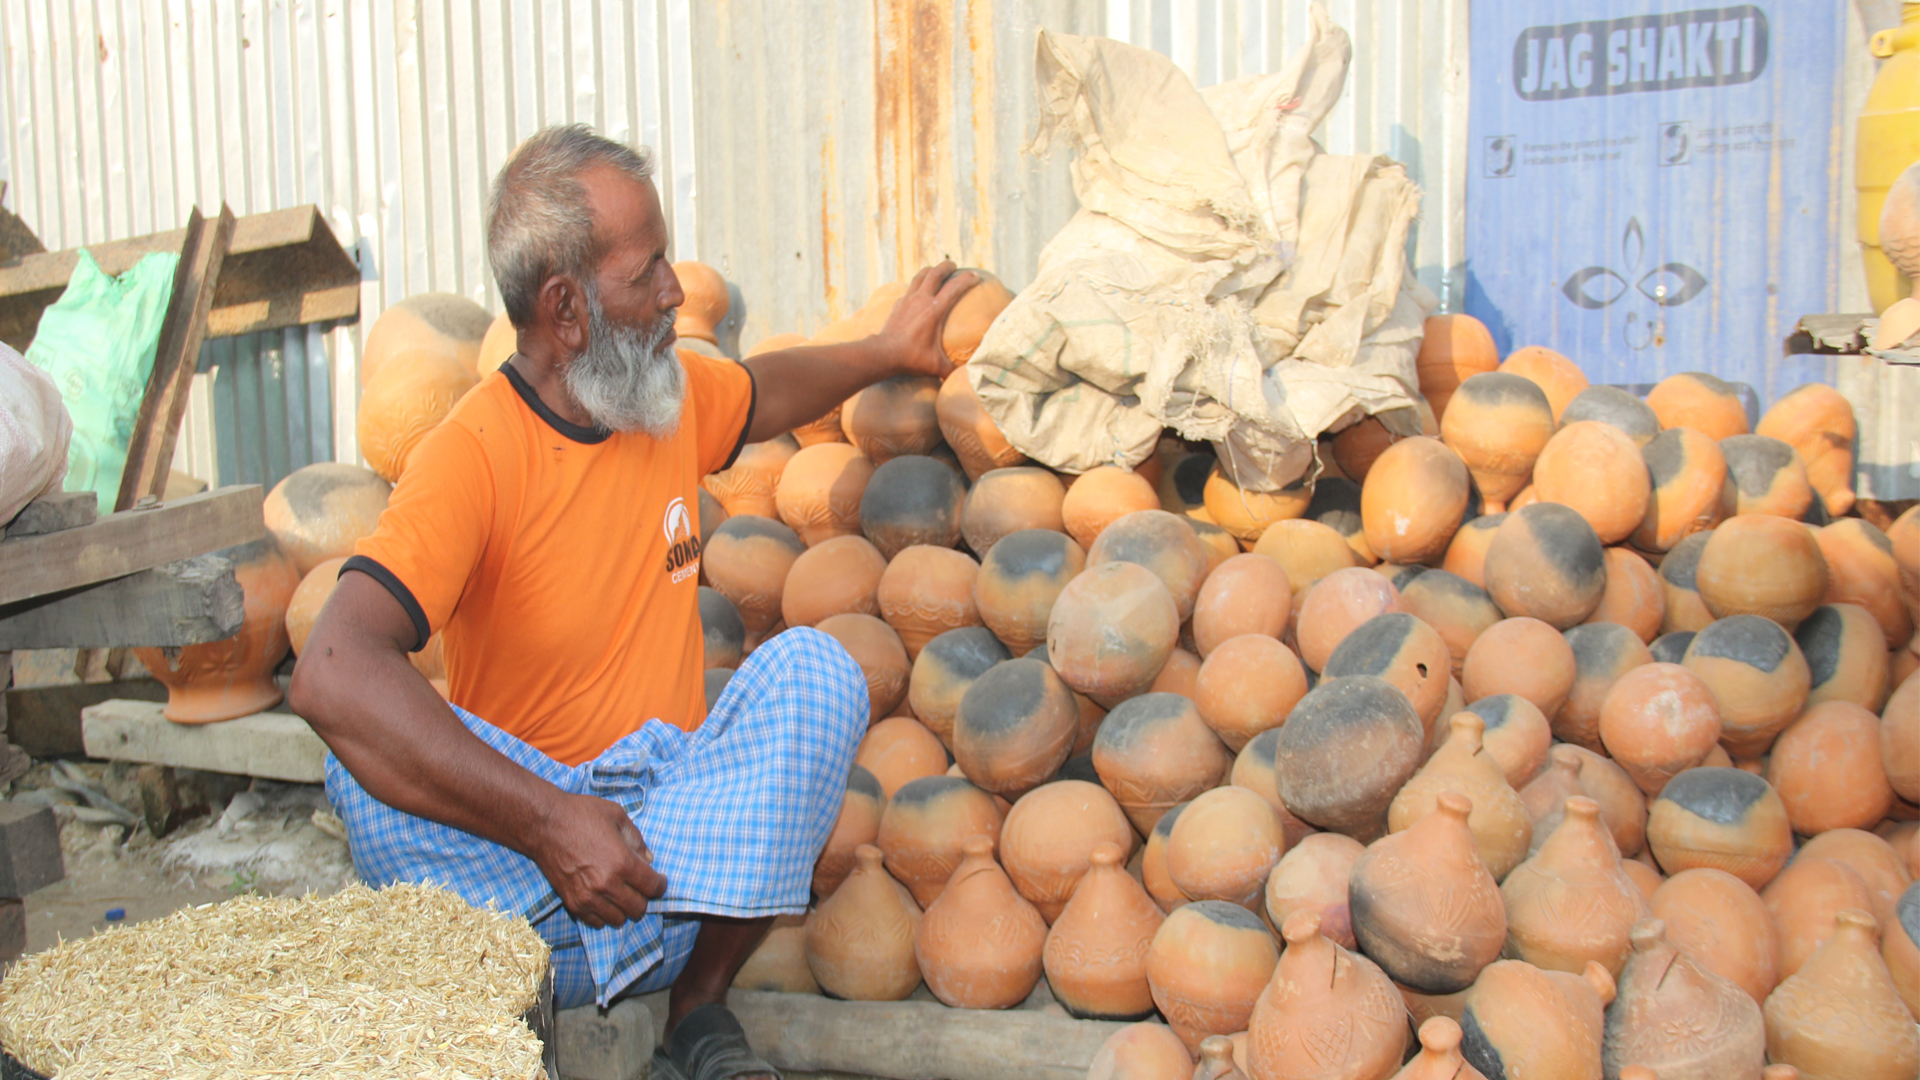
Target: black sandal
x=709, y=1044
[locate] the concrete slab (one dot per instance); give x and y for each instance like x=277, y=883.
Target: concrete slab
x=615, y=1045
x=275, y=746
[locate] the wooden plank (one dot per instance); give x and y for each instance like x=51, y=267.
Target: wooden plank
x=53, y=513
x=157, y=425
x=274, y=746
x=130, y=541
x=45, y=720
x=187, y=602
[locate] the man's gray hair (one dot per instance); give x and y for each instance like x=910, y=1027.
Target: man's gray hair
x=538, y=220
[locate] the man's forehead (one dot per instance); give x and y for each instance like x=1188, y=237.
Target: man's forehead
x=625, y=211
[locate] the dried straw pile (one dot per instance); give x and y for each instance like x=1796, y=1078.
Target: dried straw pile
x=406, y=982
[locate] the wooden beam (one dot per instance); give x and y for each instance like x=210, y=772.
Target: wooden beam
x=180, y=603
x=45, y=720
x=157, y=425
x=130, y=541
x=54, y=512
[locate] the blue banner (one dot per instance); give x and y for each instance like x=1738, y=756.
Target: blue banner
x=1653, y=187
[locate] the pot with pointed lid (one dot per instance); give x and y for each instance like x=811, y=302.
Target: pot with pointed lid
x=1723, y=925
x=1840, y=1015
x=860, y=940
x=1207, y=965
x=1439, y=1057
x=1425, y=907
x=1096, y=952
x=979, y=944
x=1571, y=903
x=1501, y=828
x=1801, y=902
x=1678, y=1017
x=1522, y=1021
x=1216, y=1060
x=1327, y=1013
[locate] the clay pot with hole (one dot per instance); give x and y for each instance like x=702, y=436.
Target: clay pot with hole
x=1154, y=751
x=1766, y=477
x=1634, y=596
x=928, y=591
x=1558, y=377
x=1597, y=470
x=1456, y=608
x=233, y=677
x=882, y=659
x=1721, y=818
x=1246, y=594
x=912, y=499
x=1247, y=686
x=1425, y=906
x=1345, y=751
x=857, y=826
x=1006, y=501
x=1111, y=629
x=975, y=438
x=1164, y=544
x=1861, y=569
x=923, y=829
x=1019, y=582
x=1703, y=402
x=1689, y=477
x=1826, y=766
x=899, y=750
x=1685, y=612
x=1616, y=408
x=1014, y=728
x=1818, y=423
x=1499, y=423
x=1338, y=605
x=1658, y=721
x=1101, y=496
x=1404, y=651
x=1413, y=499
x=1223, y=847
x=1207, y=966
x=317, y=512
x=1453, y=349
x=1602, y=653
x=1841, y=1015
x=751, y=484
x=836, y=576
x=1144, y=1051
x=1571, y=903
x=821, y=491
x=979, y=944
x=1314, y=876
x=1520, y=656
x=1467, y=551
x=1049, y=838
x=945, y=670
x=893, y=417
x=1248, y=514
x=1758, y=676
x=1096, y=952
x=1546, y=562
x=1721, y=923
x=1723, y=1035
x=1327, y=1012
x=859, y=942
x=1502, y=830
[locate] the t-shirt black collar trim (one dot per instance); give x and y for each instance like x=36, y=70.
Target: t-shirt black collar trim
x=587, y=435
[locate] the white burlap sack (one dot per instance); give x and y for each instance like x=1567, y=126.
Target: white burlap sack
x=34, y=432
x=1222, y=277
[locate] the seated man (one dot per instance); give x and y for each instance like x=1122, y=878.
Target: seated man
x=549, y=530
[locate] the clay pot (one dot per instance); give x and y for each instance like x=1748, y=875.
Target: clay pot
x=748, y=563
x=1096, y=953
x=821, y=490
x=1182, y=485
x=1900, y=948
x=1826, y=767
x=435, y=325
x=877, y=649
x=1558, y=377
x=1453, y=349
x=1425, y=906
x=1545, y=796
x=1900, y=743
x=1598, y=471
x=1101, y=496
x=1246, y=594
x=837, y=576
x=1307, y=551
x=407, y=398
x=751, y=484
x=723, y=633
x=1404, y=651
x=1546, y=562
x=1224, y=846
x=924, y=826
x=1154, y=751
x=899, y=750
x=1659, y=720
x=1861, y=569
x=497, y=346
x=1726, y=819
x=1219, y=543
x=1502, y=829
x=1517, y=736
x=1616, y=408
x=1153, y=862
x=1646, y=877
x=1818, y=423
x=1455, y=607
x=859, y=942
x=1248, y=685
x=1883, y=871
x=893, y=417
x=975, y=438
x=1520, y=656
x=1634, y=597
x=1007, y=501
x=1523, y=1021
x=928, y=591
x=1049, y=839
x=1413, y=500
x=1623, y=807
x=1336, y=504
x=1014, y=728
x=1671, y=648
x=1499, y=425
x=1338, y=605
x=1840, y=1015
x=1020, y=580
x=1661, y=989
x=1766, y=477
x=303, y=607
x=1801, y=902
x=1145, y=1051
x=318, y=511
x=911, y=500
x=856, y=827
x=967, y=323
x=1313, y=876
x=1345, y=751
x=1571, y=903
x=979, y=944
x=1091, y=713
x=1686, y=612
x=1703, y=402
x=1111, y=630
x=221, y=680
x=1207, y=966
x=1217, y=1061
x=779, y=965
x=1162, y=543
x=945, y=670
x=1467, y=552
x=1248, y=514
x=1357, y=447
x=1904, y=534
x=1439, y=1057
x=1602, y=653
x=1689, y=476
x=1327, y=1013
x=1757, y=675
x=1723, y=925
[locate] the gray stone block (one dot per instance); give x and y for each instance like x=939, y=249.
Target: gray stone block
x=614, y=1045
x=29, y=849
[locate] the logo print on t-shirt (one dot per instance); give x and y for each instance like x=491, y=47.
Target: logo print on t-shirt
x=683, y=544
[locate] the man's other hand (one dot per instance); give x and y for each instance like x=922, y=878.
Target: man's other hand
x=913, y=330
x=598, y=863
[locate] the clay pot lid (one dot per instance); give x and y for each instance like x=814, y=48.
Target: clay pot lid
x=706, y=300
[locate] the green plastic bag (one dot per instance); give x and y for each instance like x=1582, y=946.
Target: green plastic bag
x=97, y=343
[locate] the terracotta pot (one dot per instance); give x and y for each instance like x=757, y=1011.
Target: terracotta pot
x=1253, y=770
x=1020, y=580
x=1686, y=612
x=1900, y=948
x=1336, y=504
x=1246, y=594
x=1206, y=967
x=924, y=826
x=893, y=417
x=1216, y=1060
x=1904, y=534
x=1357, y=447
x=1153, y=862
x=1146, y=1051
x=1453, y=349
x=1516, y=737
x=497, y=346
x=408, y=398
x=1598, y=471
x=859, y=942
x=1101, y=496
x=1766, y=477
x=1634, y=597
x=1571, y=903
x=1111, y=630
x=877, y=649
x=857, y=826
x=748, y=563
x=836, y=576
x=928, y=591
x=1646, y=877
x=1224, y=846
x=1327, y=1013
x=945, y=670
x=1096, y=952
x=1425, y=906
x=1502, y=829
x=899, y=750
x=1723, y=925
x=979, y=944
x=779, y=965
x=1560, y=378
x=1404, y=651
x=1220, y=543
x=1522, y=656
x=1602, y=653
x=1439, y=1057
x=433, y=325
x=1546, y=795
x=1015, y=726
x=1616, y=408
x=1006, y=501
x=1900, y=742
x=1248, y=686
x=1499, y=425
x=967, y=428
x=1338, y=605
x=1091, y=714
x=1690, y=481
x=967, y=323
x=723, y=633
x=1818, y=423
x=1314, y=876
x=1182, y=485
x=1154, y=751
x=1467, y=551
x=1861, y=569
x=1726, y=819
x=1050, y=836
x=319, y=511
x=1826, y=767
x=1659, y=720
x=1758, y=677
x=1345, y=751
x=1882, y=869
x=1457, y=608
x=1840, y=1015
x=752, y=484
x=912, y=499
x=1522, y=1021
x=1413, y=500
x=221, y=680
x=1762, y=565
x=1703, y=402
x=820, y=491
x=1179, y=675
x=1163, y=544
x=1680, y=1018
x=1546, y=562
x=1801, y=901
x=303, y=607
x=1248, y=514
x=1623, y=807
x=1671, y=648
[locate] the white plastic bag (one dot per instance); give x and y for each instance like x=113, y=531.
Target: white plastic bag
x=34, y=432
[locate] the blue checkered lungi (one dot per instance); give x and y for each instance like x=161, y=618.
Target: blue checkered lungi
x=735, y=813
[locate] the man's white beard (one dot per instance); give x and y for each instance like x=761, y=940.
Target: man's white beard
x=628, y=378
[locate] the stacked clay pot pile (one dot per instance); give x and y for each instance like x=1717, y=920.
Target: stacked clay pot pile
x=1576, y=738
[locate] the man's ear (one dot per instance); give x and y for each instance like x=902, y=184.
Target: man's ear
x=564, y=307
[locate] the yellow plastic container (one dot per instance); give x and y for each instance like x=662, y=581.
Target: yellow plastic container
x=1889, y=141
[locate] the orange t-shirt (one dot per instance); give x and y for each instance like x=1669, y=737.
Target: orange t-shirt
x=561, y=562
